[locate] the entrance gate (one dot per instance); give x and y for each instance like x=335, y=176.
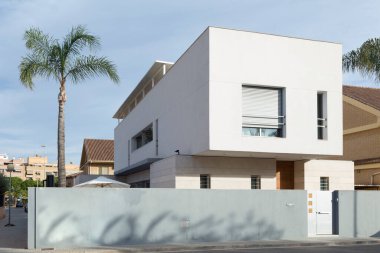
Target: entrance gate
x=320, y=213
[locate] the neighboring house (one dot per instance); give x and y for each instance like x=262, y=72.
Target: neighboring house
x=361, y=139
x=97, y=157
x=238, y=110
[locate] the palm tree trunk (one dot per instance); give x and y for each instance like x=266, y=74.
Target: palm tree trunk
x=61, y=136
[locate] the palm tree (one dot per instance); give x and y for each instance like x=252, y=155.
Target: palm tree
x=63, y=61
x=365, y=59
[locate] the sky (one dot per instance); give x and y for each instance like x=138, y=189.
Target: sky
x=134, y=34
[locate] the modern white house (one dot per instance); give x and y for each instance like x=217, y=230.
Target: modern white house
x=238, y=110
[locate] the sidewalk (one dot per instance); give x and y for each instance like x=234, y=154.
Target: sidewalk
x=311, y=242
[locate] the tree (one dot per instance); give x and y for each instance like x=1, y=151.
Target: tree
x=63, y=61
x=365, y=59
x=4, y=184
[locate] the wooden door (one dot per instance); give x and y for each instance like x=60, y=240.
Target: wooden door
x=285, y=174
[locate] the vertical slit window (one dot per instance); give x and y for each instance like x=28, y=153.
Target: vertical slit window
x=263, y=111
x=322, y=115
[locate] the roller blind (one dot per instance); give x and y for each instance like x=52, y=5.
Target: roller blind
x=262, y=107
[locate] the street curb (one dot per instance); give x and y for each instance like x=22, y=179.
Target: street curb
x=228, y=246
x=207, y=246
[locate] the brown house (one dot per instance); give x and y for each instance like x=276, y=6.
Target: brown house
x=361, y=135
x=97, y=157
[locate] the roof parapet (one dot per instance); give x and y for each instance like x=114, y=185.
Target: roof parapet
x=147, y=83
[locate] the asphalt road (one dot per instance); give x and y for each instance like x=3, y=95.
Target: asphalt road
x=14, y=237
x=331, y=249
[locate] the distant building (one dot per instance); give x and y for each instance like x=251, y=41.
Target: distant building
x=18, y=165
x=35, y=168
x=97, y=157
x=3, y=158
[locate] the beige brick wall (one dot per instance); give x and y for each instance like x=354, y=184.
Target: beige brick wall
x=361, y=145
x=340, y=174
x=183, y=172
x=356, y=117
x=162, y=173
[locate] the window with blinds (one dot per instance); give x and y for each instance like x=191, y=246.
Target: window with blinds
x=263, y=112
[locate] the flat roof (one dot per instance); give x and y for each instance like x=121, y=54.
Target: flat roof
x=153, y=70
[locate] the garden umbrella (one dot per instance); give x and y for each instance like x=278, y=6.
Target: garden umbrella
x=103, y=182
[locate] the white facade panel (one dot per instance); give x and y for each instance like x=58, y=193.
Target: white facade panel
x=300, y=67
x=180, y=104
x=198, y=103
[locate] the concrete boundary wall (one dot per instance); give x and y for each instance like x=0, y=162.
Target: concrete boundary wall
x=85, y=217
x=359, y=213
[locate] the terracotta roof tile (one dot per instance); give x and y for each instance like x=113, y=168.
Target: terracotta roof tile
x=365, y=95
x=98, y=150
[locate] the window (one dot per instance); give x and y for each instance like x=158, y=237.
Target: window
x=142, y=138
x=322, y=115
x=141, y=184
x=263, y=111
x=103, y=170
x=205, y=182
x=94, y=170
x=324, y=183
x=255, y=182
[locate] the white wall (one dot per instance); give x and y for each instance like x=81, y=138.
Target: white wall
x=183, y=172
x=302, y=67
x=180, y=103
x=340, y=173
x=198, y=102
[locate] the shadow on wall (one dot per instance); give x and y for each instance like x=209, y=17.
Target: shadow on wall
x=165, y=227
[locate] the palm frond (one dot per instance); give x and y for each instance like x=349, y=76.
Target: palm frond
x=91, y=66
x=31, y=66
x=365, y=59
x=78, y=39
x=38, y=42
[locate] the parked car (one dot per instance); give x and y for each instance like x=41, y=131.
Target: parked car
x=19, y=204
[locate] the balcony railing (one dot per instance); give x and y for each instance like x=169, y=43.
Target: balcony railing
x=268, y=121
x=322, y=122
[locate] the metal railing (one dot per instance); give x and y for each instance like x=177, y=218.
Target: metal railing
x=322, y=122
x=281, y=120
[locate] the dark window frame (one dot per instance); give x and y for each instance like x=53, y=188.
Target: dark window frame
x=256, y=182
x=144, y=137
x=324, y=183
x=205, y=181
